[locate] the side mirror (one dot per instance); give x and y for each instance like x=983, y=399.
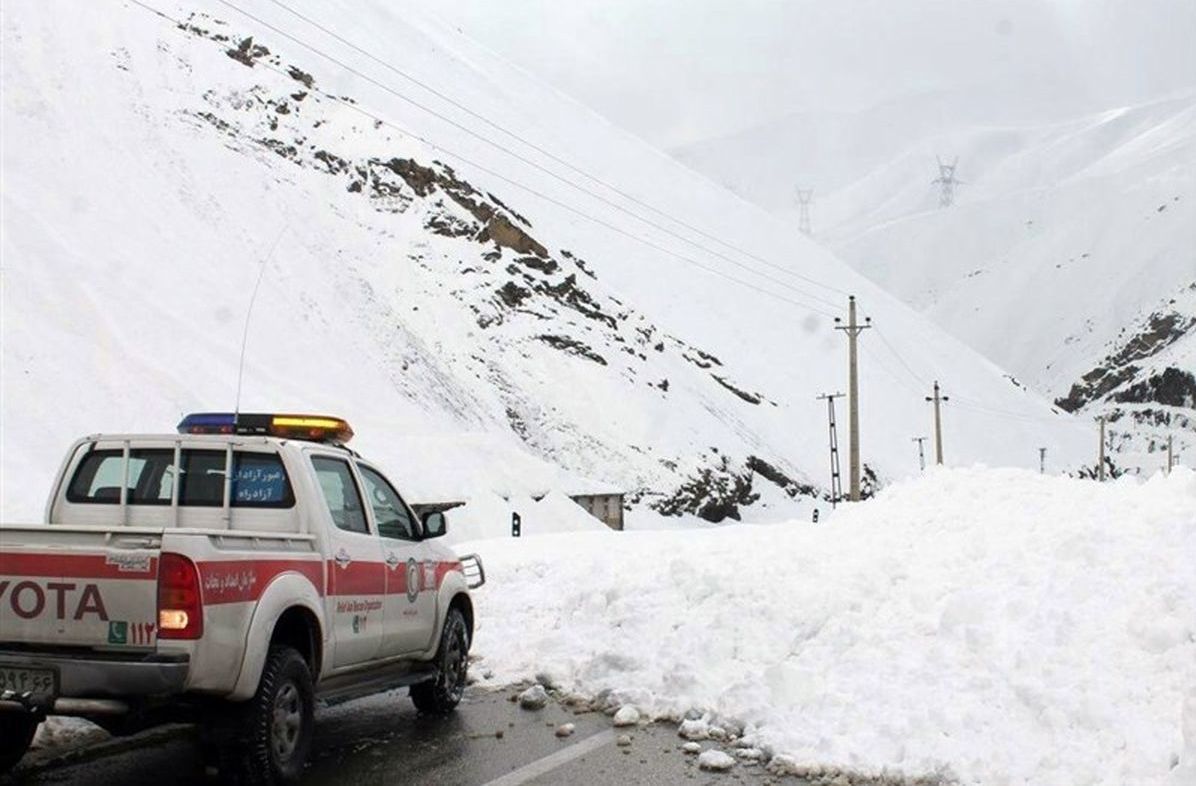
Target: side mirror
x=434, y=524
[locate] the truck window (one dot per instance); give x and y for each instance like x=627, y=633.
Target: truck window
x=390, y=513
x=259, y=479
x=101, y=473
x=340, y=493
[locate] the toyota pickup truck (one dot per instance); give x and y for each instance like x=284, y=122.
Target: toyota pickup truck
x=232, y=574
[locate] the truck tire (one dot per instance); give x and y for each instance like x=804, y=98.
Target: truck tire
x=441, y=695
x=267, y=739
x=16, y=735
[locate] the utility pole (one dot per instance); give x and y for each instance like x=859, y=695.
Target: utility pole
x=805, y=197
x=947, y=182
x=1041, y=461
x=853, y=331
x=1170, y=455
x=1102, y=448
x=836, y=478
x=921, y=453
x=938, y=422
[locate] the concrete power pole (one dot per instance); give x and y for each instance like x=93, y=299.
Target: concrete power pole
x=921, y=453
x=1041, y=461
x=853, y=330
x=947, y=182
x=805, y=197
x=1101, y=471
x=938, y=422
x=1170, y=455
x=836, y=477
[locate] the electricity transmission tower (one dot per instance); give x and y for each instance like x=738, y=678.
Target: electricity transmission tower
x=938, y=422
x=836, y=478
x=921, y=452
x=947, y=182
x=853, y=331
x=805, y=197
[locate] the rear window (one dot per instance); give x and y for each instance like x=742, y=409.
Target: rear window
x=259, y=479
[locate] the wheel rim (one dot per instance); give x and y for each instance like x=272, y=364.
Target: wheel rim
x=455, y=666
x=288, y=721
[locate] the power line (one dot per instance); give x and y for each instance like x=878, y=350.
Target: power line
x=916, y=377
x=551, y=200
x=961, y=402
x=532, y=145
x=534, y=164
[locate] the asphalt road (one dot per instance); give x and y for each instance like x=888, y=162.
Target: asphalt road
x=381, y=740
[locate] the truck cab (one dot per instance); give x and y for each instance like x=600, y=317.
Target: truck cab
x=188, y=575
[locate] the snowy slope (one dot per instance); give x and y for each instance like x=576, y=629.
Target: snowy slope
x=460, y=307
x=1067, y=242
x=1068, y=259
x=1000, y=626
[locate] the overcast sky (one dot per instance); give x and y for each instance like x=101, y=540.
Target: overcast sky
x=675, y=71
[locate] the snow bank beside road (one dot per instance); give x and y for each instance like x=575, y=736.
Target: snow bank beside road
x=1014, y=627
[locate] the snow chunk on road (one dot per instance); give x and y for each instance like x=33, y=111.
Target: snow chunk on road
x=1002, y=625
x=715, y=760
x=627, y=716
x=534, y=698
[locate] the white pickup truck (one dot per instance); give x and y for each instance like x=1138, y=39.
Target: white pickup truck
x=233, y=575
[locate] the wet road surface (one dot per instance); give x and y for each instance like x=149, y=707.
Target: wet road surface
x=381, y=740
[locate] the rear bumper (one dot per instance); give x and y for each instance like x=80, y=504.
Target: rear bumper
x=94, y=676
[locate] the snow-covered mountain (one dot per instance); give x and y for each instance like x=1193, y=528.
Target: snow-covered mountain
x=1067, y=257
x=530, y=301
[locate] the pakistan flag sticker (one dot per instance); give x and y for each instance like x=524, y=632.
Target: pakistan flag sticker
x=118, y=632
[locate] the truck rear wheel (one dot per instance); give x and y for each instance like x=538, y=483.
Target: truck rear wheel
x=441, y=695
x=16, y=735
x=266, y=740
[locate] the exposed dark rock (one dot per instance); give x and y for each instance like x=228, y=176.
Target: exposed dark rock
x=332, y=162
x=779, y=478
x=301, y=76
x=448, y=225
x=701, y=359
x=570, y=295
x=714, y=494
x=247, y=51
x=1118, y=368
x=281, y=148
x=1173, y=388
x=512, y=295
x=544, y=265
x=573, y=347
x=750, y=398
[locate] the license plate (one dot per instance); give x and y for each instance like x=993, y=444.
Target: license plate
x=42, y=683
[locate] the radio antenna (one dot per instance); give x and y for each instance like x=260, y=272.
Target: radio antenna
x=249, y=313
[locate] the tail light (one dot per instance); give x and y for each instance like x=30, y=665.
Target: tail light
x=180, y=602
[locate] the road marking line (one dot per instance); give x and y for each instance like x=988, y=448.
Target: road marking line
x=554, y=760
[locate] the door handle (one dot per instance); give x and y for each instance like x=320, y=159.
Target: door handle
x=342, y=558
x=391, y=560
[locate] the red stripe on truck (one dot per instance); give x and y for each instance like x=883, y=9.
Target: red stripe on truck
x=356, y=578
x=238, y=581
x=80, y=566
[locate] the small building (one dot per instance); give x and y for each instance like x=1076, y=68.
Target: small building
x=607, y=507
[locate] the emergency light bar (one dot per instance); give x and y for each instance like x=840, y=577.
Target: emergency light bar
x=316, y=428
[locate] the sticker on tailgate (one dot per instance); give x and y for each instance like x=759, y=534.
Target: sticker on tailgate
x=130, y=563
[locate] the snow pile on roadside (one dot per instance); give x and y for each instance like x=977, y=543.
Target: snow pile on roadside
x=1012, y=627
